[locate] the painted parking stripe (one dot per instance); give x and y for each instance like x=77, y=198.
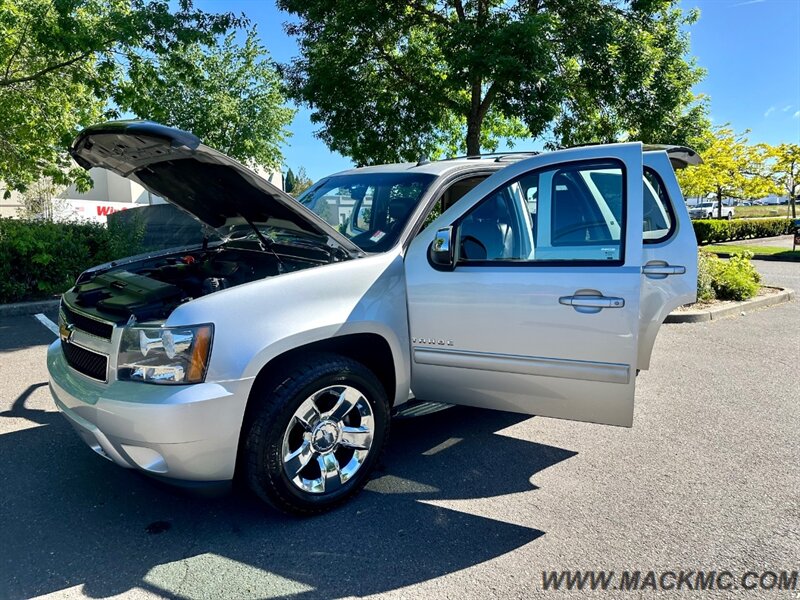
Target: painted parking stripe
x=46, y=322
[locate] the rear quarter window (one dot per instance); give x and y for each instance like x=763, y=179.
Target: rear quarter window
x=658, y=217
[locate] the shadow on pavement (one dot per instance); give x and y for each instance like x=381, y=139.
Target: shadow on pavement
x=25, y=331
x=70, y=518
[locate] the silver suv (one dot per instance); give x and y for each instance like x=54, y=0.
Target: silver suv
x=279, y=350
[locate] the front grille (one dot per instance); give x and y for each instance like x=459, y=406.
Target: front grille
x=85, y=361
x=87, y=324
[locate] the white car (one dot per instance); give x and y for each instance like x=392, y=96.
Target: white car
x=709, y=210
x=279, y=350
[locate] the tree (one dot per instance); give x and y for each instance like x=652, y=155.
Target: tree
x=403, y=79
x=301, y=182
x=784, y=170
x=228, y=94
x=60, y=63
x=41, y=200
x=731, y=168
x=289, y=182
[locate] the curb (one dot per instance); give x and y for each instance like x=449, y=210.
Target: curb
x=27, y=308
x=772, y=257
x=699, y=316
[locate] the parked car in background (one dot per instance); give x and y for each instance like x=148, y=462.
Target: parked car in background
x=279, y=350
x=708, y=210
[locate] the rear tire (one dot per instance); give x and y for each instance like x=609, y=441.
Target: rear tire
x=315, y=434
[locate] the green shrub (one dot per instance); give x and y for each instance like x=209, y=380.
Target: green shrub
x=737, y=279
x=707, y=266
x=39, y=259
x=734, y=279
x=710, y=231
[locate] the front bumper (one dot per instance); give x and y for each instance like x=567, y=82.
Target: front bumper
x=183, y=432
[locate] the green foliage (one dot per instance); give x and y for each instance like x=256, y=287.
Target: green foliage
x=60, y=62
x=737, y=279
x=731, y=168
x=734, y=279
x=227, y=94
x=707, y=265
x=289, y=182
x=39, y=259
x=710, y=231
x=398, y=80
x=300, y=182
x=783, y=167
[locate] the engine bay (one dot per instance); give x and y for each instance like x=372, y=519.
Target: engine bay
x=151, y=288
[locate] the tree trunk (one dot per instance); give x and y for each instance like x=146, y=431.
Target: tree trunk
x=793, y=202
x=473, y=136
x=719, y=203
x=474, y=120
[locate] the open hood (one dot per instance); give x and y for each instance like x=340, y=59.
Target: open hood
x=176, y=166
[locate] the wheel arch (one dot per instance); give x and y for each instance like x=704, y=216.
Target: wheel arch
x=371, y=349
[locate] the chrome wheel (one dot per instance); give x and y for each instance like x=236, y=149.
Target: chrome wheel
x=328, y=439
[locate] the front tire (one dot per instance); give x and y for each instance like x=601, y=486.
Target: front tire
x=315, y=434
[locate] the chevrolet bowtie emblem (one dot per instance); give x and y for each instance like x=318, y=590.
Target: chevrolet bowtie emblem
x=65, y=332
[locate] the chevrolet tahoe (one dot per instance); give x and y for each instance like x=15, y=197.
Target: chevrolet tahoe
x=279, y=349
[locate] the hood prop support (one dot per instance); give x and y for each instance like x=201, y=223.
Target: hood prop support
x=265, y=242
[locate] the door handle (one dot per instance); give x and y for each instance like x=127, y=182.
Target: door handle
x=660, y=271
x=596, y=302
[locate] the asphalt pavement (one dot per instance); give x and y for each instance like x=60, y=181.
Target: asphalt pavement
x=467, y=503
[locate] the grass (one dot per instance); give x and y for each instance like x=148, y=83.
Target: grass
x=773, y=252
x=762, y=211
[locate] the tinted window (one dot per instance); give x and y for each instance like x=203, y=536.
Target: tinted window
x=658, y=217
x=574, y=213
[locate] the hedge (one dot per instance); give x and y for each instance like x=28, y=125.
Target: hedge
x=710, y=231
x=39, y=259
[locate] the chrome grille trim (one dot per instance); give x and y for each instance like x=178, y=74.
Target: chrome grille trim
x=86, y=323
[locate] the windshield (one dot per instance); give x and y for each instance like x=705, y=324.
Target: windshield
x=371, y=209
x=707, y=205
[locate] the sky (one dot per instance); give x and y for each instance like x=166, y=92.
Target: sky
x=750, y=49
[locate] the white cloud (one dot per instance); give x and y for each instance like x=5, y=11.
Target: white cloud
x=796, y=115
x=770, y=110
x=786, y=108
x=748, y=2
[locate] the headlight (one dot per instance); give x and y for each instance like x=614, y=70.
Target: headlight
x=165, y=354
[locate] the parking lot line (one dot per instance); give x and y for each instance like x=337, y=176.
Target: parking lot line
x=47, y=323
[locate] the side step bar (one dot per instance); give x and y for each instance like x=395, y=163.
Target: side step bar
x=419, y=408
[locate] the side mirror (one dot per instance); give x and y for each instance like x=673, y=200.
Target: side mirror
x=441, y=252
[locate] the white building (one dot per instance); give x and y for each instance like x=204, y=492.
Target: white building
x=109, y=194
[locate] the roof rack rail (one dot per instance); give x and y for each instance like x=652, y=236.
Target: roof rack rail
x=498, y=156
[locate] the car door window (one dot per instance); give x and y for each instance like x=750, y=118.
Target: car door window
x=567, y=213
x=450, y=196
x=659, y=219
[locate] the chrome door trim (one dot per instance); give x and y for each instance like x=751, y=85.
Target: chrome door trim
x=526, y=365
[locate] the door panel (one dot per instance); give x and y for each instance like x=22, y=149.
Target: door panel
x=535, y=334
x=663, y=293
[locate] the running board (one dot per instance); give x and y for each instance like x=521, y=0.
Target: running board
x=419, y=408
